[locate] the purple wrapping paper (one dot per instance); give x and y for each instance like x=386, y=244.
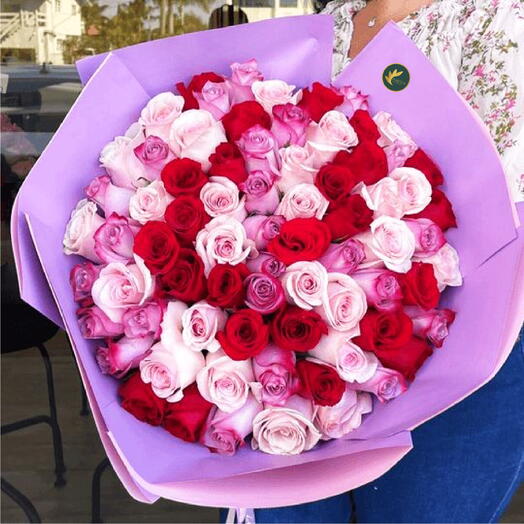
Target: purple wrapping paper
x=149, y=461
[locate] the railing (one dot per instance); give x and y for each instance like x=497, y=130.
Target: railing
x=12, y=22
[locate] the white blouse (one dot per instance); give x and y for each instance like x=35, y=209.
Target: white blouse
x=478, y=45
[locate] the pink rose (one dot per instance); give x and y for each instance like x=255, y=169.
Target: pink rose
x=121, y=286
x=261, y=195
x=429, y=238
x=386, y=384
x=271, y=93
x=149, y=202
x=154, y=153
x=224, y=241
x=286, y=430
x=266, y=263
x=344, y=417
x=383, y=198
x=353, y=101
x=142, y=321
x=264, y=293
x=225, y=382
x=214, y=98
x=414, y=189
x=94, y=323
x=258, y=144
x=114, y=240
x=432, y=325
x=262, y=229
x=81, y=279
x=297, y=167
x=381, y=286
x=220, y=196
x=397, y=153
x=276, y=376
x=80, y=231
x=344, y=257
x=289, y=125
x=446, y=266
x=121, y=356
x=195, y=134
x=246, y=73
x=303, y=201
x=160, y=113
x=225, y=432
x=169, y=369
x=110, y=198
x=305, y=284
x=200, y=324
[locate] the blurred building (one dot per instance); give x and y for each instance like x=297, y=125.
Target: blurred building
x=263, y=9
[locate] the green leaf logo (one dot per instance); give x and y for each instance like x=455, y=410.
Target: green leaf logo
x=396, y=77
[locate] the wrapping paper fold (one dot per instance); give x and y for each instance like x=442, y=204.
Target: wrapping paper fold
x=149, y=461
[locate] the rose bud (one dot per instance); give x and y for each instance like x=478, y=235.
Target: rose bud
x=381, y=286
x=345, y=416
x=264, y=293
x=149, y=202
x=432, y=325
x=139, y=400
x=276, y=376
x=262, y=228
x=266, y=263
x=428, y=237
x=226, y=285
x=289, y=125
x=200, y=324
x=114, y=240
x=386, y=384
x=225, y=432
x=81, y=279
x=320, y=382
x=344, y=257
x=120, y=356
x=94, y=323
x=419, y=286
x=141, y=321
x=110, y=198
x=227, y=161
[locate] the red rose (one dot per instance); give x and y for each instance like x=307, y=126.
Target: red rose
x=406, y=359
x=183, y=176
x=300, y=239
x=439, y=210
x=225, y=285
x=195, y=86
x=420, y=287
x=158, y=246
x=320, y=383
x=185, y=419
x=138, y=398
x=245, y=335
x=319, y=100
x=297, y=329
x=334, y=181
x=244, y=116
x=350, y=216
x=227, y=160
x=419, y=160
x=364, y=126
x=367, y=161
x=186, y=280
x=384, y=330
x=186, y=216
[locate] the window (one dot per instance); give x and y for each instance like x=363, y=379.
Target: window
x=74, y=8
x=257, y=3
x=58, y=5
x=288, y=3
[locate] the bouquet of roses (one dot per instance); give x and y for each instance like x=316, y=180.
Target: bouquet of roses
x=262, y=260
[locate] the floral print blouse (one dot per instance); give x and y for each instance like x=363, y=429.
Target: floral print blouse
x=478, y=45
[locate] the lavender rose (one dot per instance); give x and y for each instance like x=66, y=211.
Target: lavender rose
x=264, y=293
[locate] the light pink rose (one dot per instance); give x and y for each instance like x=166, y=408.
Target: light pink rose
x=332, y=134
x=433, y=324
x=297, y=167
x=351, y=362
x=289, y=125
x=242, y=78
x=114, y=240
x=383, y=198
x=266, y=263
x=286, y=430
x=141, y=321
x=225, y=382
x=446, y=266
x=119, y=287
x=224, y=241
x=121, y=356
x=214, y=98
x=259, y=148
x=414, y=189
x=345, y=416
x=94, y=323
x=149, y=202
x=80, y=231
x=305, y=284
x=344, y=257
x=110, y=198
x=353, y=101
x=264, y=293
x=429, y=238
x=160, y=113
x=303, y=201
x=122, y=165
x=169, y=368
x=200, y=324
x=262, y=229
x=271, y=93
x=225, y=432
x=220, y=197
x=386, y=384
x=343, y=304
x=381, y=286
x=81, y=279
x=275, y=375
x=397, y=153
x=261, y=193
x=195, y=134
x=154, y=153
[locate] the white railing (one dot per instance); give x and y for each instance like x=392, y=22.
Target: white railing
x=12, y=22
